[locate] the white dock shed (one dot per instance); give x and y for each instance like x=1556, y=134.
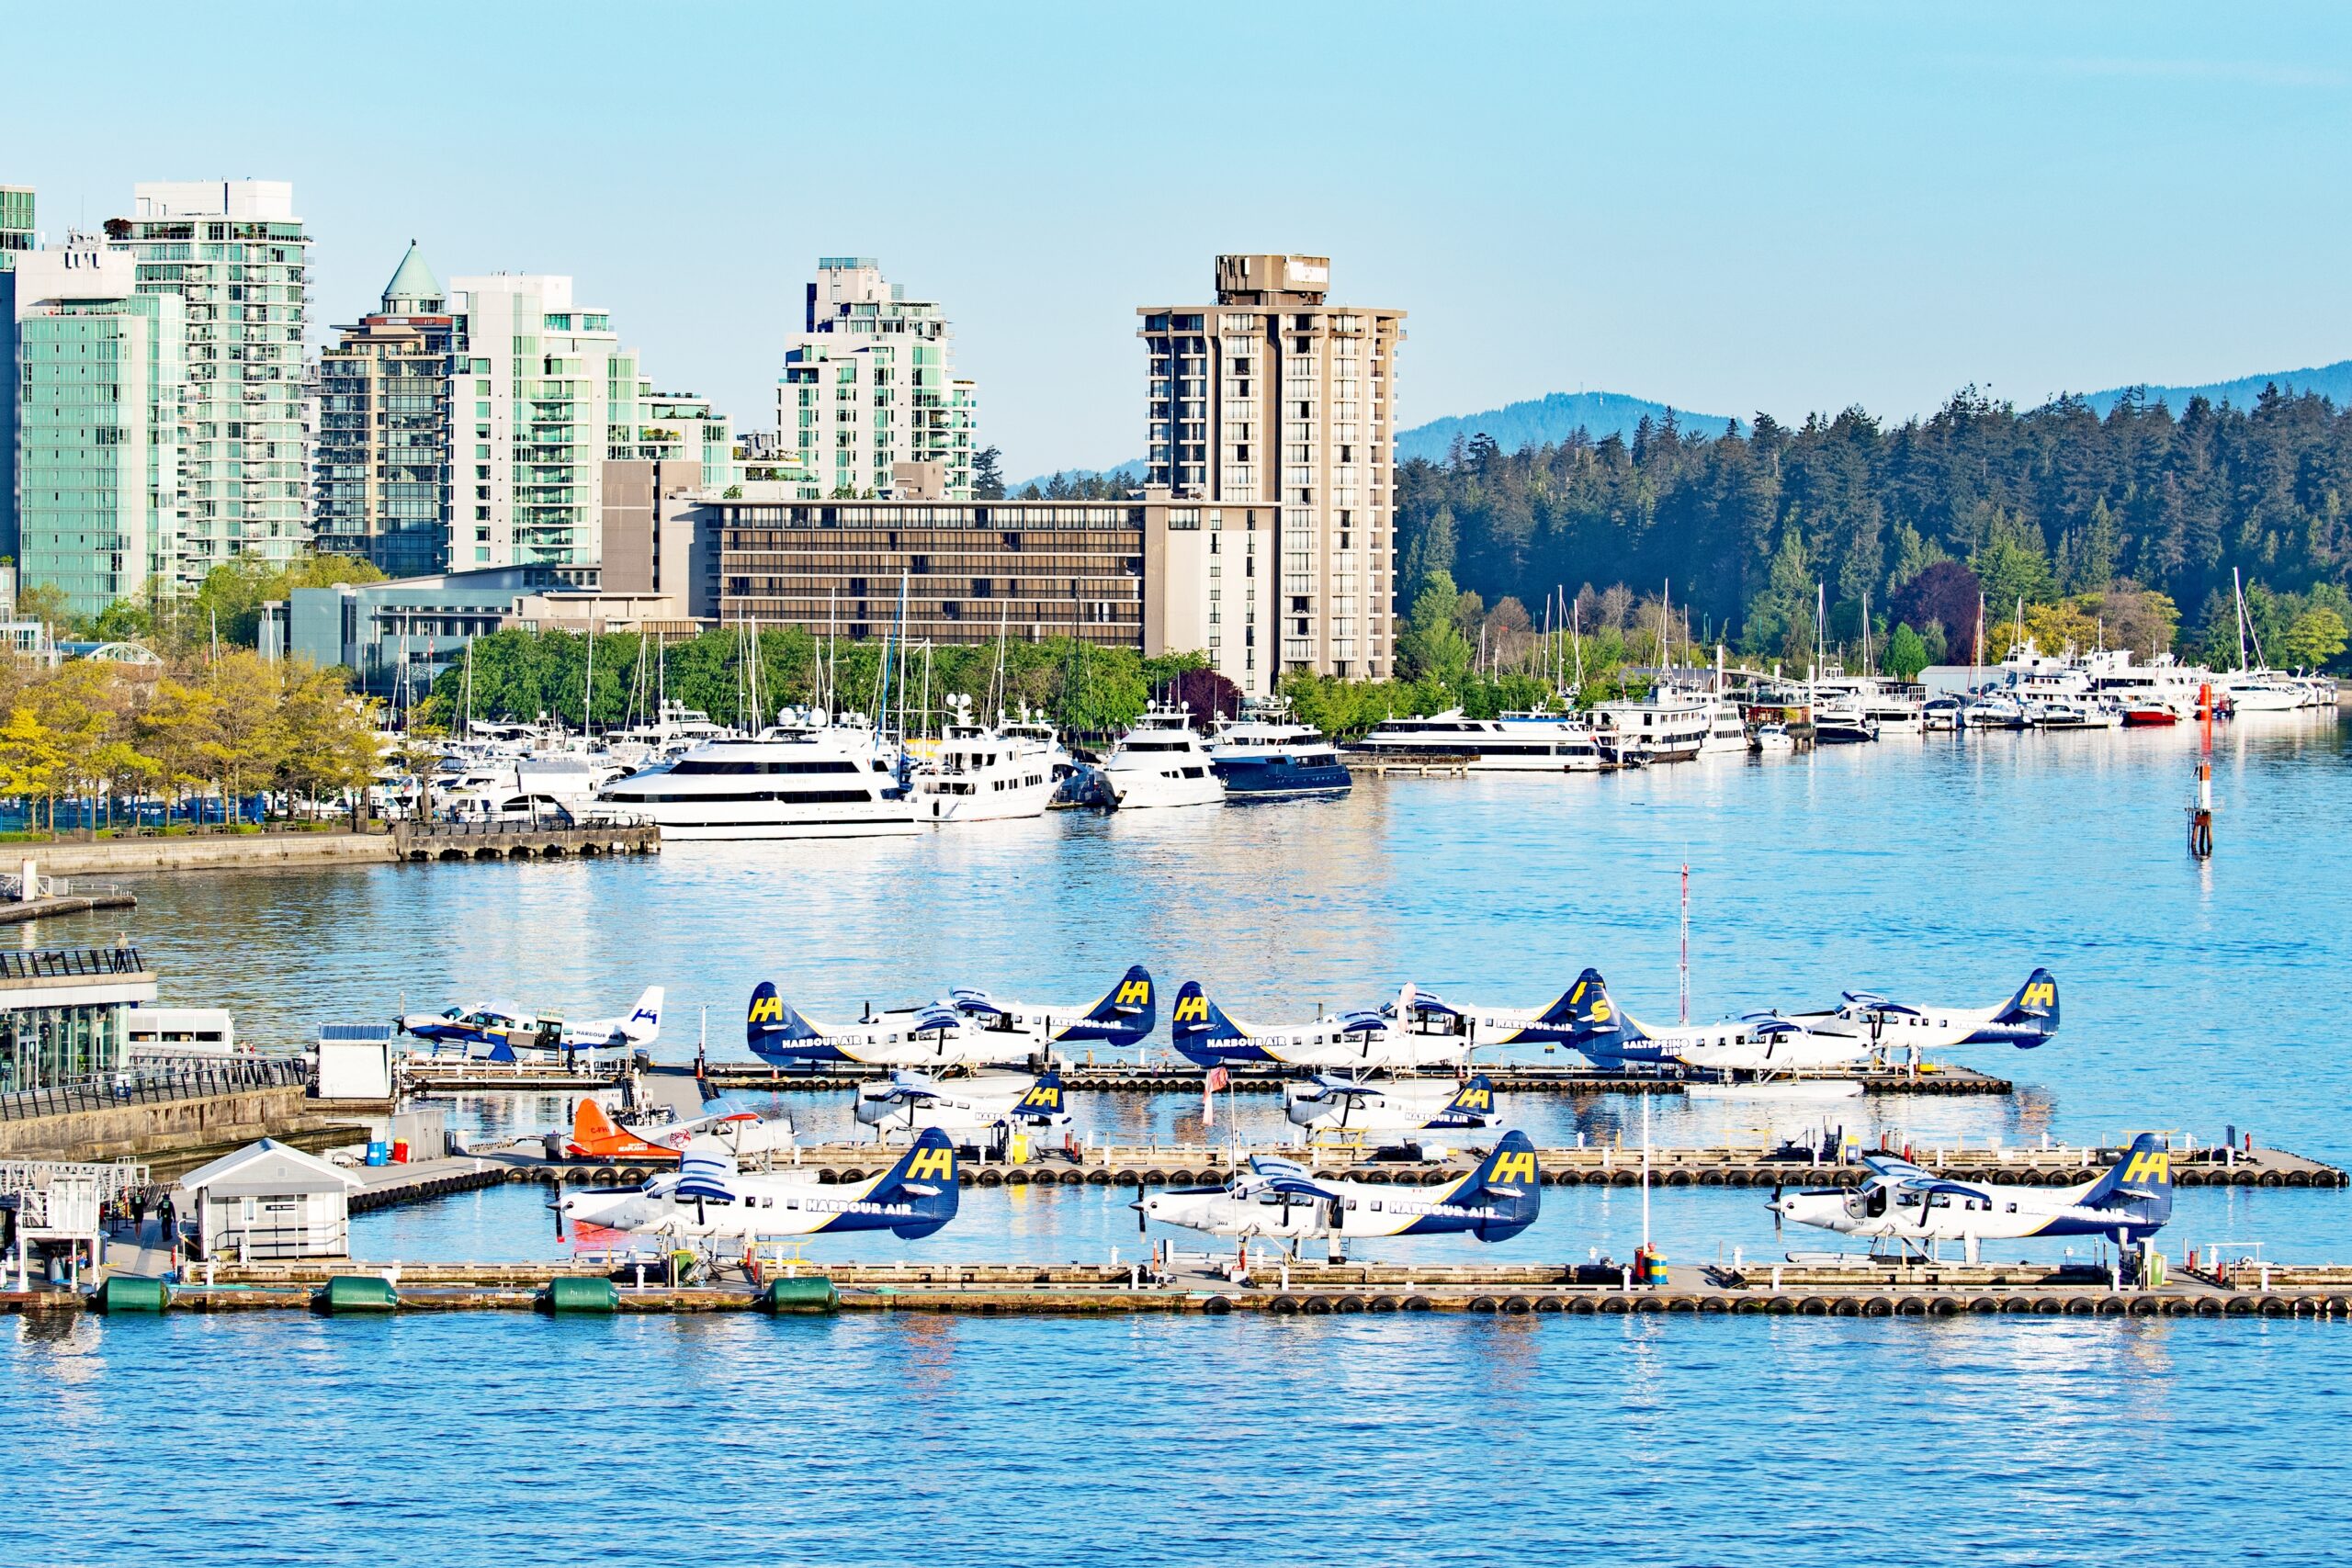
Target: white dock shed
x=268, y=1199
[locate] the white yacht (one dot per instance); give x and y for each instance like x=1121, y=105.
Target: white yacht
x=1726, y=726
x=802, y=778
x=1515, y=743
x=1944, y=711
x=1666, y=726
x=987, y=775
x=556, y=786
x=1161, y=761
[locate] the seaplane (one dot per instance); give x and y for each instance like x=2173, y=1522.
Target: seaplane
x=1358, y=1042
x=726, y=1126
x=1282, y=1200
x=1916, y=1209
x=505, y=1029
x=939, y=1035
x=991, y=1104
x=1125, y=1015
x=1334, y=1104
x=1590, y=1022
x=708, y=1198
x=2027, y=1020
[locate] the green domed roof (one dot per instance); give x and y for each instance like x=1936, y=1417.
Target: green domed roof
x=414, y=290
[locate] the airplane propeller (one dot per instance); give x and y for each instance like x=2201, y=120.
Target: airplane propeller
x=1776, y=1216
x=558, y=1206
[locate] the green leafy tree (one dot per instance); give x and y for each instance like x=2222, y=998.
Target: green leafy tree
x=2314, y=640
x=1431, y=644
x=1907, y=654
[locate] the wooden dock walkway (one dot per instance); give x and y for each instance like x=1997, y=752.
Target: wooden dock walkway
x=522, y=840
x=1139, y=1165
x=1131, y=1078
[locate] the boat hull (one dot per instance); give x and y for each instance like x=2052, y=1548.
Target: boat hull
x=1275, y=778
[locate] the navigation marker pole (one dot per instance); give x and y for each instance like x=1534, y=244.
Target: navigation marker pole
x=1685, y=979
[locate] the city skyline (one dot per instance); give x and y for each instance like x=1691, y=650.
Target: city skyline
x=1746, y=214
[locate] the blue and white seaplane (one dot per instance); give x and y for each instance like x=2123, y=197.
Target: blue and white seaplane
x=1586, y=1020
x=988, y=1107
x=499, y=1031
x=1284, y=1201
x=1333, y=1104
x=2027, y=1020
x=1358, y=1042
x=1917, y=1208
x=706, y=1198
x=1124, y=1015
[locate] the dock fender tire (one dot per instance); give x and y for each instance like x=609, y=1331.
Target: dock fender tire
x=1518, y=1305
x=603, y=1178
x=1381, y=1304
x=1434, y=1179
x=2189, y=1179
x=1570, y=1179
x=1846, y=1307
x=2272, y=1178
x=1678, y=1178
x=2142, y=1306
x=1155, y=1177
x=1482, y=1303
x=2206, y=1306
x=1709, y=1304
x=1348, y=1303
x=1283, y=1306
x=991, y=1179
x=1614, y=1303
x=1217, y=1306
x=1781, y=1305
x=1813, y=1306
x=2112, y=1306
x=1943, y=1306
x=1073, y=1179
x=1983, y=1304
x=1319, y=1305
x=1879, y=1306
x=1624, y=1178
x=1414, y=1303
x=1550, y=1304
x=2273, y=1307
x=1126, y=1179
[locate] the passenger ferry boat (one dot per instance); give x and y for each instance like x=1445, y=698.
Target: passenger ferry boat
x=804, y=777
x=1161, y=761
x=1666, y=726
x=1265, y=754
x=1517, y=742
x=987, y=775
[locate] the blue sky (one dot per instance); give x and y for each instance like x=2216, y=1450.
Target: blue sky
x=1730, y=208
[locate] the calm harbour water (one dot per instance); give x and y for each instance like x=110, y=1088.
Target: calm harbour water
x=1935, y=868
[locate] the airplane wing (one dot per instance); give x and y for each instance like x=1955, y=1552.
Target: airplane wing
x=1931, y=1184
x=1893, y=1168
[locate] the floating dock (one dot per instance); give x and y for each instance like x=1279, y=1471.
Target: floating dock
x=2278, y=1290
x=520, y=841
x=1934, y=1078
x=1190, y=1165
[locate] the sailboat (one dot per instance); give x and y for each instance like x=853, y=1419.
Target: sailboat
x=2254, y=686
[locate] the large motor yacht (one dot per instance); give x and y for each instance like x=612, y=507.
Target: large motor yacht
x=985, y=773
x=1162, y=761
x=804, y=777
x=1265, y=753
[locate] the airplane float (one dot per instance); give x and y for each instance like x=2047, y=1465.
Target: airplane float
x=1917, y=1208
x=707, y=1198
x=506, y=1030
x=1282, y=1200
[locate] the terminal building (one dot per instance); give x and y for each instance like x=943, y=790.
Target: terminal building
x=63, y=1012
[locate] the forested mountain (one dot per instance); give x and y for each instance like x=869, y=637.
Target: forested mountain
x=2045, y=504
x=1550, y=419
x=2333, y=382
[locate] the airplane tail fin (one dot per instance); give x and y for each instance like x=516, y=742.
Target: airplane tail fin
x=1197, y=1024
x=1587, y=1015
x=925, y=1180
x=770, y=1022
x=1508, y=1185
x=1124, y=1017
x=2035, y=1007
x=1044, y=1098
x=643, y=1024
x=2138, y=1189
x=1476, y=1098
x=592, y=1129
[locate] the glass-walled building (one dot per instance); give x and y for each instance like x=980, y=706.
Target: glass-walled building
x=62, y=1012
x=382, y=474
x=99, y=380
x=16, y=235
x=236, y=255
x=871, y=383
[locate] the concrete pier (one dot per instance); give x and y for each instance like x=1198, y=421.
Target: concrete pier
x=520, y=841
x=1131, y=1078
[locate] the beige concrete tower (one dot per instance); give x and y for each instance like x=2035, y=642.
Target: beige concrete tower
x=1273, y=427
